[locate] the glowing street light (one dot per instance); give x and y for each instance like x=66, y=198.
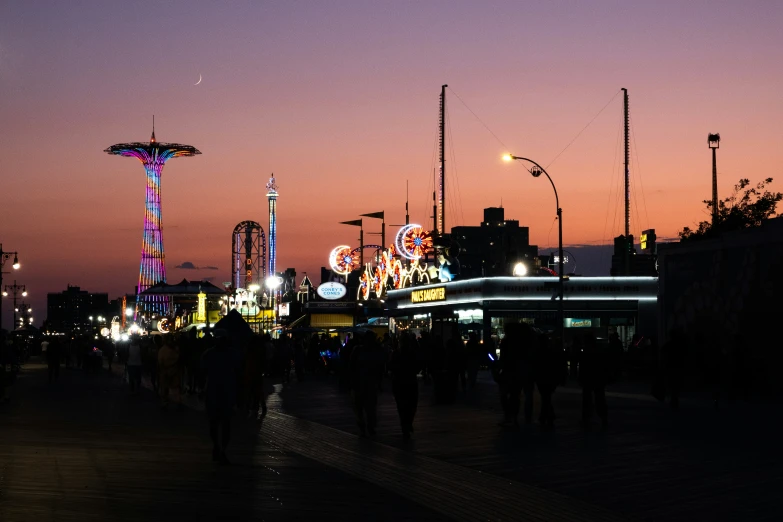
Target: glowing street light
x=5, y=256
x=520, y=270
x=16, y=290
x=274, y=282
x=536, y=170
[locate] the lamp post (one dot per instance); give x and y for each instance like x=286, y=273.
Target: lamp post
x=536, y=170
x=713, y=140
x=5, y=256
x=16, y=290
x=273, y=283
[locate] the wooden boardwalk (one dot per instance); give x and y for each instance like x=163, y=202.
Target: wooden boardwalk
x=652, y=463
x=82, y=449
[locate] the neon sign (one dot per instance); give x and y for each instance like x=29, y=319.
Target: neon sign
x=429, y=295
x=411, y=244
x=201, y=314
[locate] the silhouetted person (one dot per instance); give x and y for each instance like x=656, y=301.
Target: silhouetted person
x=616, y=355
x=134, y=364
x=473, y=359
x=529, y=345
x=593, y=370
x=53, y=354
x=221, y=366
x=405, y=385
x=425, y=356
x=5, y=374
x=458, y=362
x=509, y=373
x=110, y=352
x=549, y=370
x=287, y=357
x=255, y=362
x=150, y=360
x=168, y=370
x=366, y=361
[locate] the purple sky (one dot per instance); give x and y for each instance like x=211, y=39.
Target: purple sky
x=340, y=101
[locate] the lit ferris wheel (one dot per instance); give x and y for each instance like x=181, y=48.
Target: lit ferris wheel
x=413, y=242
x=343, y=260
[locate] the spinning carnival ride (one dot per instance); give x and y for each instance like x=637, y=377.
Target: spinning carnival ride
x=411, y=244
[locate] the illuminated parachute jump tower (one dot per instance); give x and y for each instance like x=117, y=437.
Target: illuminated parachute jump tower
x=153, y=156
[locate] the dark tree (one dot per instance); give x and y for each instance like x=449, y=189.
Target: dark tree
x=747, y=207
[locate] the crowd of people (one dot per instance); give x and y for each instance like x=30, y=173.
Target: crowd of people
x=227, y=370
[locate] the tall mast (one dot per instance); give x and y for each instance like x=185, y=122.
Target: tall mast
x=628, y=242
x=627, y=181
x=441, y=224
x=434, y=202
x=407, y=216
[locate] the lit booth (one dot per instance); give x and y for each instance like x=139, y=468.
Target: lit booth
x=600, y=305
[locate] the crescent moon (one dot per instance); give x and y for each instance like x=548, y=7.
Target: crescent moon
x=199, y=79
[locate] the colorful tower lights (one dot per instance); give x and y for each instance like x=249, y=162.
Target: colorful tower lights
x=271, y=194
x=153, y=156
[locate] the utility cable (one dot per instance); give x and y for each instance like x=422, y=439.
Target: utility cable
x=479, y=119
x=583, y=129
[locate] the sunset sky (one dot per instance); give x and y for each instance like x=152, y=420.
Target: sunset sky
x=340, y=100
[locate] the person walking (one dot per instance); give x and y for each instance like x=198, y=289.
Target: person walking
x=149, y=358
x=110, y=353
x=549, y=369
x=593, y=376
x=509, y=374
x=405, y=385
x=221, y=365
x=168, y=371
x=134, y=364
x=458, y=363
x=473, y=359
x=366, y=361
x=253, y=375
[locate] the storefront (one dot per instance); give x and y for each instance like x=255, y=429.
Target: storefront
x=600, y=305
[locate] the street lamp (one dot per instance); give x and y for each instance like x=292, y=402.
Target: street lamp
x=273, y=283
x=5, y=256
x=16, y=290
x=713, y=141
x=536, y=170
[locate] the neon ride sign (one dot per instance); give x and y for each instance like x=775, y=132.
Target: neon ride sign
x=398, y=266
x=332, y=290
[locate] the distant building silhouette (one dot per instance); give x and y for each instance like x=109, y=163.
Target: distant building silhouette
x=493, y=247
x=638, y=264
x=73, y=307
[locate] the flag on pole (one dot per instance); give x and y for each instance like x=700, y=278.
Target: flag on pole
x=376, y=215
x=355, y=222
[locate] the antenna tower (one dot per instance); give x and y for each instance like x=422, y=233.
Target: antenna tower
x=440, y=226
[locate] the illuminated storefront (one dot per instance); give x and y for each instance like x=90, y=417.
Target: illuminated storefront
x=599, y=305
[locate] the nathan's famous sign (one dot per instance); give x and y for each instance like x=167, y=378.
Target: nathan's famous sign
x=428, y=295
